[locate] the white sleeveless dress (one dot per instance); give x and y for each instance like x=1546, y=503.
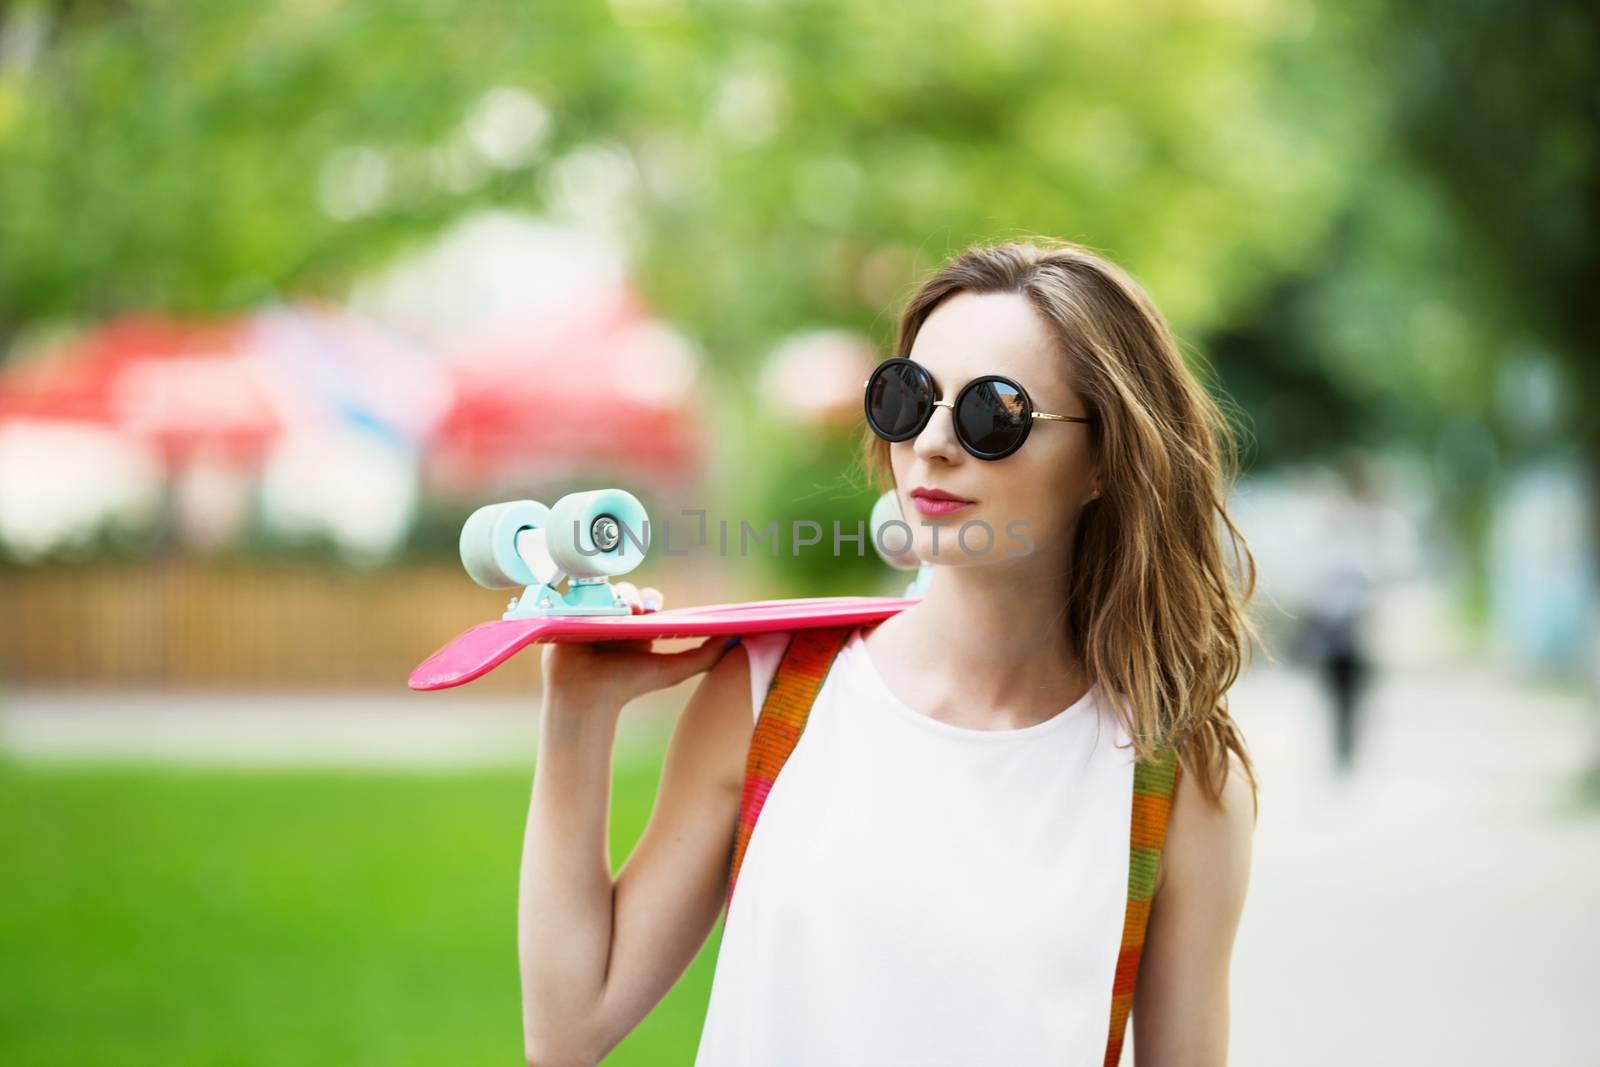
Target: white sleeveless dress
x=925, y=894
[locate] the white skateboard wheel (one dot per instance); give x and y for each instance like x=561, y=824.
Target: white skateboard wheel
x=489, y=543
x=893, y=542
x=599, y=534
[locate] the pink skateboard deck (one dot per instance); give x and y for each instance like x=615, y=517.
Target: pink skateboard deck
x=487, y=645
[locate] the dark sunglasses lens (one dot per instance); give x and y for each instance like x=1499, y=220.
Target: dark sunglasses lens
x=898, y=397
x=992, y=418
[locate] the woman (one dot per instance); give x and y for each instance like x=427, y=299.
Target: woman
x=938, y=876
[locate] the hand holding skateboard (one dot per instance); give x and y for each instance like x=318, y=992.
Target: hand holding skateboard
x=609, y=674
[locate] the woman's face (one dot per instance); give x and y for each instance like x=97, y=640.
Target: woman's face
x=1032, y=496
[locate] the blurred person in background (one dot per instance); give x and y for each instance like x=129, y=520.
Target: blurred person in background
x=1019, y=807
x=1344, y=563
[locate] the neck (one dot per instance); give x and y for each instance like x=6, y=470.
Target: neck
x=994, y=641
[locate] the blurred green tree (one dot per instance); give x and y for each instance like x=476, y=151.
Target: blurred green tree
x=1452, y=308
x=1360, y=211
x=769, y=166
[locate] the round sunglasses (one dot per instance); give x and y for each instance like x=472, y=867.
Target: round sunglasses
x=992, y=413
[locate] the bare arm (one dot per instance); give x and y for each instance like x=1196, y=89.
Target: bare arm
x=597, y=956
x=1180, y=1005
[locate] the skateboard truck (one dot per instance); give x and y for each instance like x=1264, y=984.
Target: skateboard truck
x=585, y=538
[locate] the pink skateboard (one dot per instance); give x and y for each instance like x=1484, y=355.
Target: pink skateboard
x=586, y=539
x=487, y=645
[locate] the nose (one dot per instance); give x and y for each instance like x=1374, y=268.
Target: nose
x=938, y=437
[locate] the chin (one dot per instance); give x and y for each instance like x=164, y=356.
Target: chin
x=982, y=542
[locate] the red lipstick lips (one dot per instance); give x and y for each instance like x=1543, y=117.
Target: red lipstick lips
x=930, y=501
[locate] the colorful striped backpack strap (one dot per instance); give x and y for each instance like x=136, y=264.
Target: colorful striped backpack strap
x=793, y=690
x=1154, y=783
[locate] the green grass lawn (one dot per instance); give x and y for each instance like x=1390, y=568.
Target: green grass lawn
x=174, y=917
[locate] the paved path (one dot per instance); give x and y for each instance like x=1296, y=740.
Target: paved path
x=265, y=729
x=1442, y=905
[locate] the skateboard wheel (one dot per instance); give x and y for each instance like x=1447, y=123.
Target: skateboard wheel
x=894, y=543
x=599, y=534
x=489, y=543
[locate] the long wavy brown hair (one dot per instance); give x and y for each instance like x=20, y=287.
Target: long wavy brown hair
x=1155, y=612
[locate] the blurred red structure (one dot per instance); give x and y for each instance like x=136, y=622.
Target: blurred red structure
x=613, y=391
x=175, y=385
x=319, y=405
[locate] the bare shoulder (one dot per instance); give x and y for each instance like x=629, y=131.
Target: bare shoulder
x=1209, y=841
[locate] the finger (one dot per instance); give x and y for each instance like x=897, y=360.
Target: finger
x=642, y=644
x=679, y=666
x=651, y=597
x=628, y=591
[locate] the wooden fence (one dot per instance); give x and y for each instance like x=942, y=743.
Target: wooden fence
x=192, y=623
